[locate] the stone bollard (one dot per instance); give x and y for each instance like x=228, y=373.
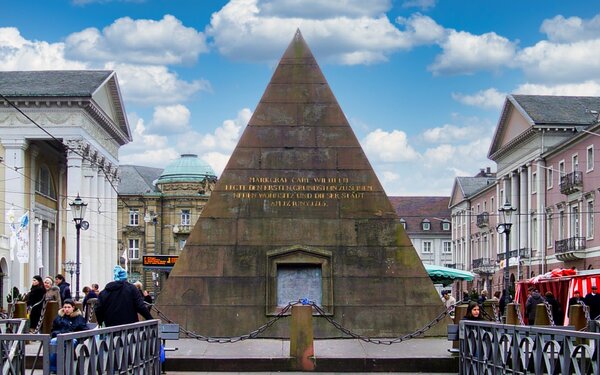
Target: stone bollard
x=577, y=317
x=541, y=315
x=511, y=314
x=301, y=338
x=51, y=313
x=459, y=313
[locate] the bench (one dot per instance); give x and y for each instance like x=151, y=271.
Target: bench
x=168, y=331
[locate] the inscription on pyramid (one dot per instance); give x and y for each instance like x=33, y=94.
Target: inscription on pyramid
x=299, y=213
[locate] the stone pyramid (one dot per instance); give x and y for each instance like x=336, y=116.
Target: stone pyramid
x=299, y=213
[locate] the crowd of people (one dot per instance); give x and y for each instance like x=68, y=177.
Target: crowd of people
x=118, y=303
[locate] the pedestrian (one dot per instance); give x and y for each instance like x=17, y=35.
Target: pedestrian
x=473, y=312
x=96, y=289
x=35, y=299
x=89, y=294
x=530, y=306
x=575, y=299
x=65, y=287
x=69, y=319
x=145, y=295
x=592, y=299
x=496, y=297
x=557, y=311
x=52, y=291
x=503, y=302
x=482, y=297
x=120, y=302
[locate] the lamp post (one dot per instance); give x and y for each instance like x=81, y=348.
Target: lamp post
x=505, y=225
x=70, y=267
x=78, y=212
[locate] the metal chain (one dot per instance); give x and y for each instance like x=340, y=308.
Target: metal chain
x=519, y=315
x=496, y=311
x=549, y=313
x=586, y=311
x=409, y=336
x=486, y=314
x=11, y=311
x=224, y=340
x=41, y=321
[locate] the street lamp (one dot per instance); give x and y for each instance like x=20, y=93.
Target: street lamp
x=78, y=212
x=505, y=225
x=70, y=267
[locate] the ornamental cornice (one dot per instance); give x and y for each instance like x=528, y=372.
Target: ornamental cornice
x=507, y=148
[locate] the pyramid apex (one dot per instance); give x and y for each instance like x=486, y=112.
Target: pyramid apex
x=298, y=48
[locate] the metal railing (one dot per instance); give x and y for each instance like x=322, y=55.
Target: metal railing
x=12, y=353
x=569, y=244
x=127, y=349
x=489, y=348
x=484, y=266
x=571, y=182
x=483, y=219
x=456, y=266
x=523, y=253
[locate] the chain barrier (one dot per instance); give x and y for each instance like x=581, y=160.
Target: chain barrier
x=485, y=314
x=549, y=313
x=496, y=311
x=41, y=321
x=519, y=315
x=225, y=340
x=11, y=310
x=586, y=311
x=318, y=309
x=409, y=336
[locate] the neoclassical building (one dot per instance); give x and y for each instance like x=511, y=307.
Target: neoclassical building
x=157, y=211
x=545, y=151
x=60, y=134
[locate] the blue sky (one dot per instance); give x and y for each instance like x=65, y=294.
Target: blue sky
x=422, y=82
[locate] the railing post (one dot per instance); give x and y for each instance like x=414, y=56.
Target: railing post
x=541, y=315
x=301, y=338
x=577, y=317
x=20, y=311
x=511, y=314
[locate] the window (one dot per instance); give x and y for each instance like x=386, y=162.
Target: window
x=590, y=159
x=590, y=219
x=549, y=231
x=562, y=228
x=134, y=216
x=445, y=225
x=561, y=168
x=185, y=217
x=181, y=244
x=427, y=247
x=575, y=160
x=134, y=248
x=45, y=185
x=447, y=247
x=426, y=225
x=534, y=233
x=534, y=182
x=403, y=223
x=492, y=204
x=550, y=177
x=484, y=206
x=575, y=230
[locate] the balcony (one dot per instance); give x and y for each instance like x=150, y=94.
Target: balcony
x=570, y=248
x=483, y=219
x=522, y=253
x=456, y=266
x=571, y=182
x=182, y=229
x=484, y=266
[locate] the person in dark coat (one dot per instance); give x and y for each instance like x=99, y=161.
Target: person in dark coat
x=35, y=299
x=65, y=287
x=69, y=319
x=593, y=301
x=575, y=299
x=89, y=294
x=530, y=306
x=473, y=312
x=557, y=311
x=120, y=302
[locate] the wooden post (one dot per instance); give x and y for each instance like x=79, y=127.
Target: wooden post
x=20, y=311
x=577, y=317
x=49, y=316
x=301, y=338
x=541, y=315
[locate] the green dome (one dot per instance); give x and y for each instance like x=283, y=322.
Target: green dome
x=188, y=168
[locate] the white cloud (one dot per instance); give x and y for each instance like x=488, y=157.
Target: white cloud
x=216, y=160
x=423, y=4
x=453, y=133
x=242, y=29
x=152, y=84
x=465, y=53
x=386, y=146
x=488, y=99
x=146, y=149
x=161, y=42
x=587, y=88
x=319, y=9
x=572, y=29
x=18, y=53
x=171, y=119
x=568, y=63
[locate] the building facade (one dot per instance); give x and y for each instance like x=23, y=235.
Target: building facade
x=157, y=211
x=427, y=223
x=544, y=149
x=60, y=133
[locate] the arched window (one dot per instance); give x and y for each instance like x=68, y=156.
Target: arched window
x=45, y=184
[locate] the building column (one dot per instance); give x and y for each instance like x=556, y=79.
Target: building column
x=541, y=211
x=111, y=194
x=104, y=273
x=74, y=187
x=89, y=260
x=14, y=197
x=46, y=246
x=523, y=218
x=516, y=203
